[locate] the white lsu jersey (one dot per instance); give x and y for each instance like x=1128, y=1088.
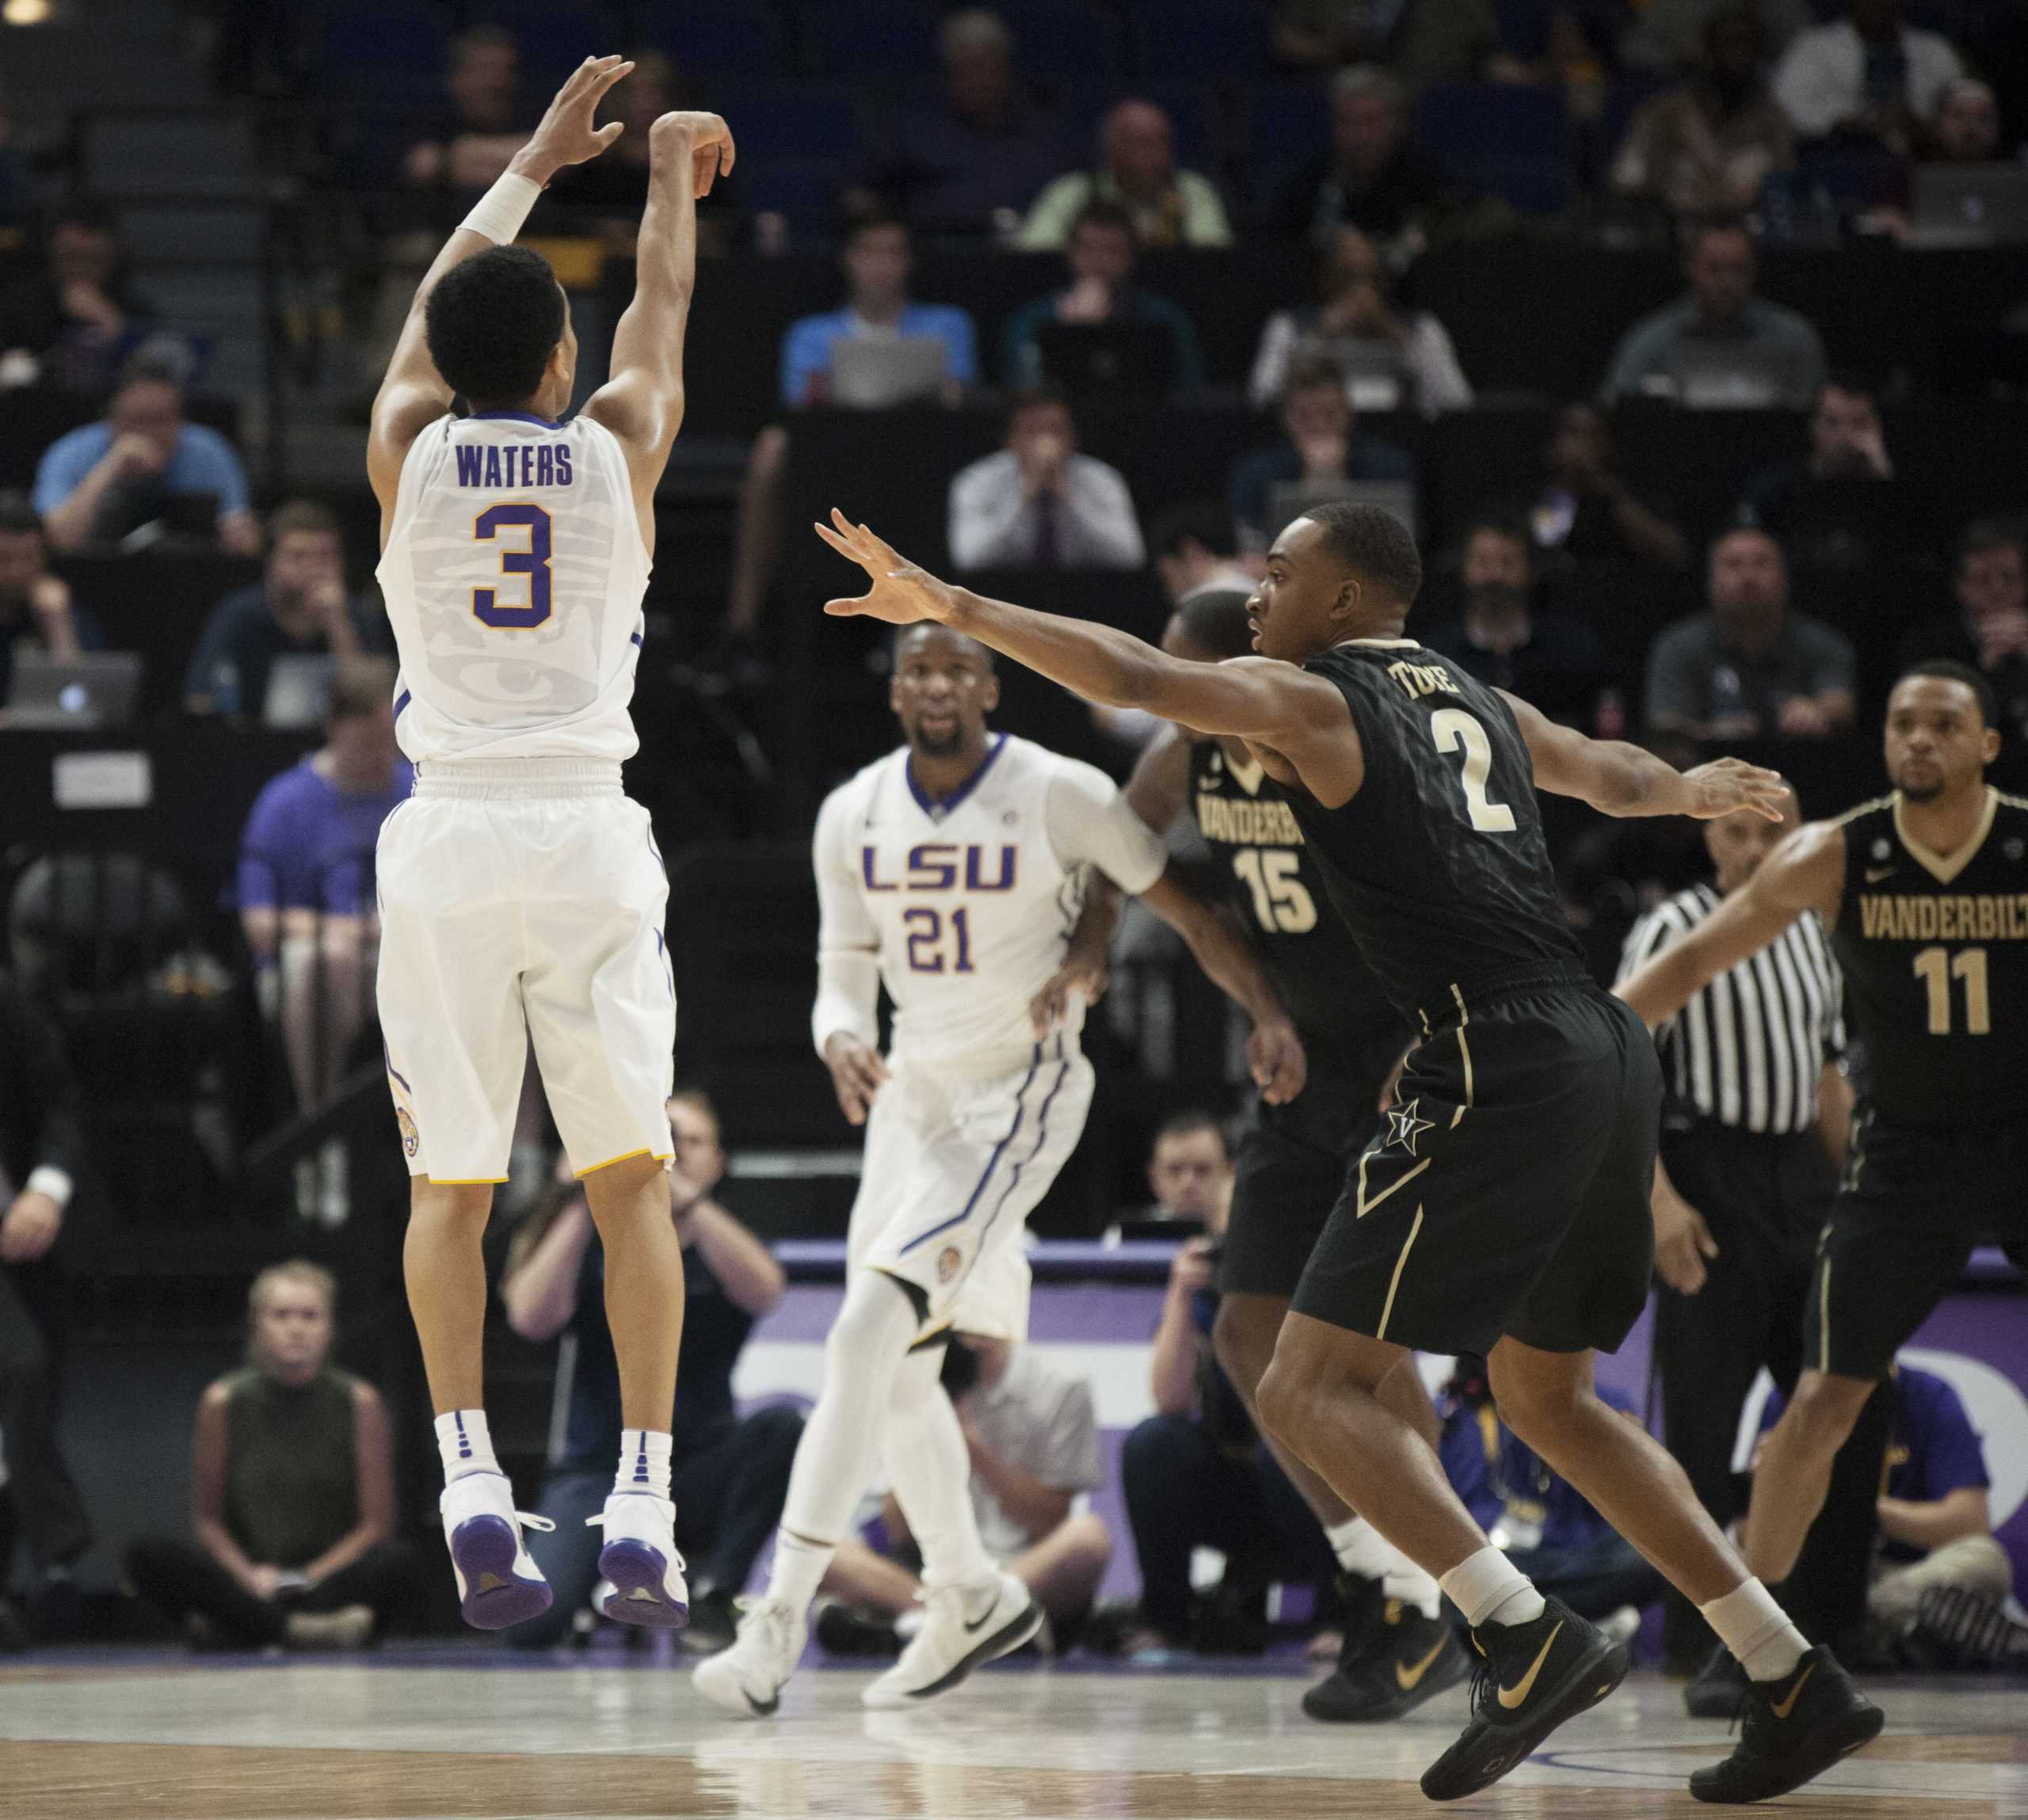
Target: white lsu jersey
x=514, y=575
x=968, y=903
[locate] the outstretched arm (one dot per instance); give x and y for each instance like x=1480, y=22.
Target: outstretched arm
x=1806, y=872
x=413, y=393
x=1618, y=778
x=641, y=404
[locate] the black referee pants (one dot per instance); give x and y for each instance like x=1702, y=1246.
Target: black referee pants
x=46, y=1507
x=1765, y=1199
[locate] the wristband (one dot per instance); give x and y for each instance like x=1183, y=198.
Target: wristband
x=48, y=1179
x=498, y=216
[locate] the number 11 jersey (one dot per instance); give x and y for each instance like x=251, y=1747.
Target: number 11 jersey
x=512, y=575
x=1437, y=865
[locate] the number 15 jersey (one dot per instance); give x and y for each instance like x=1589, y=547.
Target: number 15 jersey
x=514, y=575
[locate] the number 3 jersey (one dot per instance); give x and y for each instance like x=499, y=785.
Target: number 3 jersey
x=1438, y=864
x=967, y=904
x=1934, y=950
x=513, y=573
x=1245, y=818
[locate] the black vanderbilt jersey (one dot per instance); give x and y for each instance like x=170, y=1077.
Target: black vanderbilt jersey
x=1934, y=949
x=1346, y=1023
x=1437, y=865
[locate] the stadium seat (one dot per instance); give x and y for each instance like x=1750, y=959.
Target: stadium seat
x=1062, y=43
x=1514, y=142
x=799, y=120
x=1194, y=122
x=555, y=36
x=887, y=40
x=1185, y=41
x=359, y=36
x=804, y=190
x=1282, y=128
x=718, y=44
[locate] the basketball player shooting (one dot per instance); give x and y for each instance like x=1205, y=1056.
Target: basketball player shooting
x=522, y=897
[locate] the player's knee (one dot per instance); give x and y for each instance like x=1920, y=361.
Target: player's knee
x=1087, y=1543
x=1281, y=1401
x=461, y=1204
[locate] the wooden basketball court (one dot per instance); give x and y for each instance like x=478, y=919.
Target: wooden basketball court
x=460, y=1731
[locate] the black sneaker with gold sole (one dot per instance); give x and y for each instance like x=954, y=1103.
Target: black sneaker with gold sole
x=1531, y=1678
x=1405, y=1660
x=1792, y=1730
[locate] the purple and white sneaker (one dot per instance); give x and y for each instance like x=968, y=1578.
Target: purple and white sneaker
x=498, y=1584
x=641, y=1573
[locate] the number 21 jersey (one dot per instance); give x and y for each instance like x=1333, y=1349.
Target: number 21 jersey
x=514, y=575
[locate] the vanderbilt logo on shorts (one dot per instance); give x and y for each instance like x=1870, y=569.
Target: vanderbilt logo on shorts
x=947, y=1261
x=410, y=1137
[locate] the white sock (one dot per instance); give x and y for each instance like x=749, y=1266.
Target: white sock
x=643, y=1462
x=932, y=1470
x=1488, y=1589
x=869, y=1342
x=464, y=1443
x=1361, y=1549
x=1757, y=1631
x=1404, y=1581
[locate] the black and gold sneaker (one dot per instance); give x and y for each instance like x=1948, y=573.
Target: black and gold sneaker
x=1398, y=1665
x=1531, y=1678
x=1792, y=1730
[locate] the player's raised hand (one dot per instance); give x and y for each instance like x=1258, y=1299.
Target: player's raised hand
x=901, y=594
x=1275, y=1055
x=705, y=139
x=857, y=1074
x=1727, y=784
x=565, y=136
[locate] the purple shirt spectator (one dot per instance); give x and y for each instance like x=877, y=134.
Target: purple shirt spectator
x=309, y=845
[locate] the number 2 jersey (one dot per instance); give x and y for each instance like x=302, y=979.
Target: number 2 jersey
x=514, y=574
x=1246, y=818
x=1437, y=865
x=967, y=902
x=1934, y=950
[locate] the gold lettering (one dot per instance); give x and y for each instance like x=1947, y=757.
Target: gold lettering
x=1988, y=919
x=1946, y=918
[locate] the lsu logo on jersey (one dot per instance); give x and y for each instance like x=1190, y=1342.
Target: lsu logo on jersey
x=947, y=1261
x=411, y=1138
x=943, y=865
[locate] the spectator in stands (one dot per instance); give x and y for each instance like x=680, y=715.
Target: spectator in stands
x=1703, y=146
x=34, y=605
x=1720, y=345
x=1433, y=41
x=1137, y=169
x=731, y=1473
x=1750, y=668
x=71, y=323
x=291, y=1491
x=1546, y=1527
x=1989, y=630
x=298, y=609
x=1866, y=79
x=1195, y=547
x=877, y=257
x=1666, y=36
x=1196, y=1474
x=306, y=877
x=973, y=163
x=1549, y=659
x=1033, y=1437
x=1839, y=510
x=1935, y=1518
x=1374, y=177
x=1585, y=510
x=1967, y=127
x=481, y=125
x=107, y=479
x=42, y=1142
x=1393, y=358
x=1100, y=253
x=1321, y=446
x=1038, y=503
x=1190, y=1171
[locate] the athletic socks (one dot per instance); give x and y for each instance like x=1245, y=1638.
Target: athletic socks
x=1488, y=1589
x=1361, y=1550
x=801, y=1564
x=1757, y=1631
x=464, y=1443
x=931, y=1470
x=643, y=1462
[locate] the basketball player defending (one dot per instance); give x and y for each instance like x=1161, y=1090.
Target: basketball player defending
x=521, y=894
x=1504, y=1209
x=953, y=871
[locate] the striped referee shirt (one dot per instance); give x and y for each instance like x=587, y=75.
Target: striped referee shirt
x=1747, y=1050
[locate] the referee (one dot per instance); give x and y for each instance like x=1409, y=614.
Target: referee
x=1752, y=1137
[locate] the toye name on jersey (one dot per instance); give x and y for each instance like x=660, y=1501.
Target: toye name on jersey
x=1233, y=823
x=1420, y=680
x=1909, y=916
x=943, y=866
x=494, y=465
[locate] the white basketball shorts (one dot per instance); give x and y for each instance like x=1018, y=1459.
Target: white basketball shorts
x=953, y=1167
x=519, y=899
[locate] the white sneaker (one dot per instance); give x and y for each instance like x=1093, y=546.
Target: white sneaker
x=748, y=1679
x=959, y=1634
x=498, y=1585
x=642, y=1573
